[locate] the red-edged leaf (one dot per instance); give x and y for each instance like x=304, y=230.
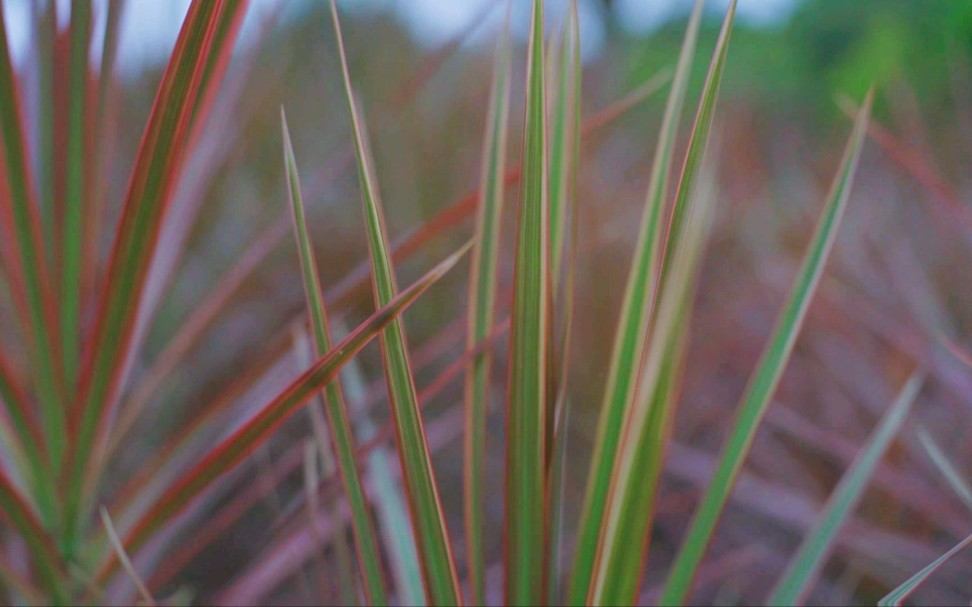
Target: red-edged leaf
x=158, y=163
x=233, y=450
x=19, y=219
x=44, y=555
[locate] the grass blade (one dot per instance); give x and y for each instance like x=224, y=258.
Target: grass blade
x=126, y=562
x=766, y=376
x=805, y=565
x=234, y=449
x=482, y=313
x=631, y=501
x=698, y=142
x=20, y=586
x=45, y=32
x=629, y=513
x=647, y=422
x=72, y=230
x=314, y=449
x=564, y=153
x=15, y=510
x=630, y=339
x=19, y=215
x=897, y=596
x=438, y=566
x=340, y=427
x=104, y=130
x=186, y=200
x=158, y=162
x=524, y=543
x=564, y=138
x=390, y=503
x=948, y=470
x=203, y=315
x=26, y=441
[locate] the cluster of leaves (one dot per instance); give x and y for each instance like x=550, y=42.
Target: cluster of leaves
x=80, y=319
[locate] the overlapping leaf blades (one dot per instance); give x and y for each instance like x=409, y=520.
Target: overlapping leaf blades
x=48, y=561
x=802, y=571
x=428, y=521
x=897, y=596
x=644, y=371
x=630, y=339
x=481, y=315
x=234, y=449
x=159, y=159
x=767, y=374
x=527, y=401
x=339, y=426
x=565, y=126
x=72, y=240
x=647, y=423
x=27, y=270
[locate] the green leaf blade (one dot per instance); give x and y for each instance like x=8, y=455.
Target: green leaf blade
x=897, y=596
x=15, y=509
x=811, y=556
x=23, y=436
x=564, y=138
x=527, y=401
x=766, y=376
x=481, y=314
x=648, y=420
x=564, y=168
x=441, y=579
x=342, y=439
x=629, y=341
x=157, y=165
x=234, y=449
x=73, y=237
x=33, y=287
x=955, y=479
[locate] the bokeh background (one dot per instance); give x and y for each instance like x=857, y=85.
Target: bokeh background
x=897, y=290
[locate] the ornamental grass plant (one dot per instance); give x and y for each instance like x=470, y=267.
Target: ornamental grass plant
x=221, y=386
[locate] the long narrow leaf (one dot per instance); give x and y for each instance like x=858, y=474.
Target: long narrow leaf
x=14, y=508
x=805, y=565
x=233, y=450
x=432, y=537
x=26, y=441
x=104, y=131
x=261, y=247
x=482, y=296
x=390, y=503
x=767, y=374
x=564, y=138
x=944, y=465
x=126, y=562
x=18, y=214
x=648, y=420
x=72, y=237
x=897, y=596
x=564, y=159
x=340, y=427
x=159, y=160
x=524, y=542
x=698, y=142
x=45, y=18
x=632, y=498
x=630, y=338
